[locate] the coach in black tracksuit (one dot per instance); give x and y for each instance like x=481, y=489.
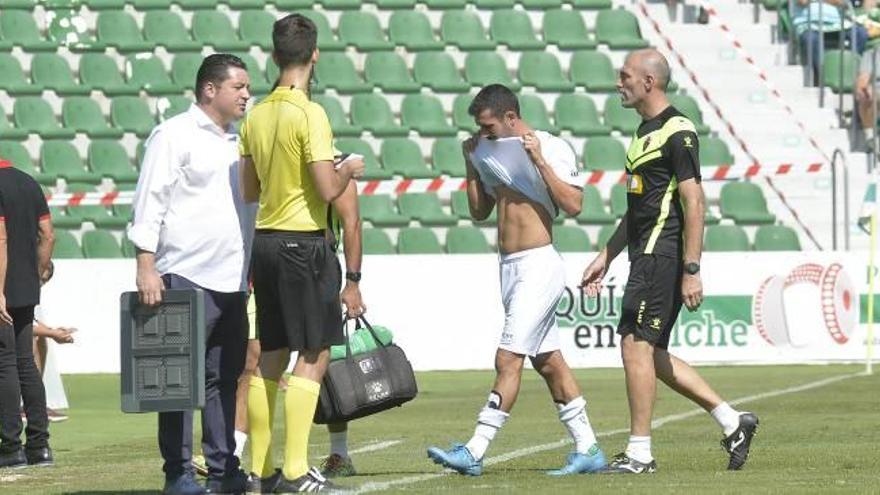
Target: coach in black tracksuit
x=29, y=244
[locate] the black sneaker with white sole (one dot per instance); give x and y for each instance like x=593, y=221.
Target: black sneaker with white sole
x=737, y=443
x=312, y=481
x=257, y=485
x=622, y=463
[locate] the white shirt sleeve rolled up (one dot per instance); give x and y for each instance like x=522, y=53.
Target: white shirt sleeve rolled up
x=159, y=172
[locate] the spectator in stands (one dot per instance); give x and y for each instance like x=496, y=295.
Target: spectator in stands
x=29, y=242
x=818, y=22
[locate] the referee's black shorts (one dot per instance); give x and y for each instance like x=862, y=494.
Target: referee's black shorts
x=652, y=299
x=297, y=279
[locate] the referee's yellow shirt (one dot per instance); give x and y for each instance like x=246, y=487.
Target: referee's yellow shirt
x=283, y=134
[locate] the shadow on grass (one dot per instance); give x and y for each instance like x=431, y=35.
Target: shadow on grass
x=110, y=492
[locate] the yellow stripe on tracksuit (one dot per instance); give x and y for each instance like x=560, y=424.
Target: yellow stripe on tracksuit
x=665, y=204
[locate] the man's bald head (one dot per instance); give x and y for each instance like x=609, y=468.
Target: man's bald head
x=652, y=63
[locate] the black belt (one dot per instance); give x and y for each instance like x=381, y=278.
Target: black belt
x=293, y=233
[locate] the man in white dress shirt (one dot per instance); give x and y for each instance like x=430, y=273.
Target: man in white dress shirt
x=530, y=175
x=192, y=230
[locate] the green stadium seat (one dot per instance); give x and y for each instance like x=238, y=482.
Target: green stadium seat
x=119, y=30
x=570, y=239
x=376, y=241
x=425, y=208
x=542, y=71
x=387, y=71
x=424, y=114
x=744, y=203
x=61, y=220
x=128, y=249
x=213, y=28
x=166, y=29
x=379, y=210
x=593, y=210
x=338, y=118
x=604, y=235
x=255, y=28
x=105, y=4
x=52, y=72
x=578, y=115
x=340, y=4
x=131, y=114
x=148, y=73
x=541, y=4
x=293, y=5
x=373, y=170
x=69, y=30
x=403, y=157
x=720, y=238
x=439, y=72
x=412, y=30
x=566, y=29
x=534, y=112
x=326, y=39
x=604, y=153
x=12, y=78
x=464, y=30
x=18, y=28
x=362, y=31
x=466, y=240
x=514, y=29
x=151, y=4
x=169, y=106
x=623, y=120
x=18, y=155
x=593, y=71
x=98, y=72
x=485, y=68
x=19, y=4
x=34, y=115
x=714, y=151
x=689, y=107
x=66, y=246
x=459, y=204
x=83, y=114
x=591, y=4
x=373, y=113
x=776, y=238
x=100, y=244
x=619, y=29
x=79, y=187
x=831, y=67
x=259, y=84
x=447, y=157
x=8, y=131
x=494, y=4
x=61, y=159
x=88, y=213
x=446, y=4
x=460, y=116
x=618, y=200
x=336, y=71
x=394, y=4
x=185, y=69
x=197, y=4
x=418, y=240
x=109, y=159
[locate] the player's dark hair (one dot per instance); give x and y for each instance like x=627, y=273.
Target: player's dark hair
x=497, y=98
x=294, y=40
x=215, y=70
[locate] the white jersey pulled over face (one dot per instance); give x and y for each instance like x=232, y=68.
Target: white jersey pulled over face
x=504, y=162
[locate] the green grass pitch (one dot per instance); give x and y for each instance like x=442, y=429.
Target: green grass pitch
x=818, y=438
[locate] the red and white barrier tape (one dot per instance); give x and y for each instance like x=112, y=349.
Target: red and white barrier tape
x=603, y=180
x=715, y=20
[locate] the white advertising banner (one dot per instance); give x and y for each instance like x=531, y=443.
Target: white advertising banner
x=445, y=311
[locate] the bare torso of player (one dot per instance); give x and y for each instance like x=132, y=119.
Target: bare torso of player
x=522, y=223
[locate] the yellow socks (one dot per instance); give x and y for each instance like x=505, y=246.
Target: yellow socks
x=261, y=410
x=299, y=410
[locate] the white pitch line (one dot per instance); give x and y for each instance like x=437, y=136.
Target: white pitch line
x=372, y=447
x=657, y=423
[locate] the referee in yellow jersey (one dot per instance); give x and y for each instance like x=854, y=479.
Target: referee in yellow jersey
x=287, y=164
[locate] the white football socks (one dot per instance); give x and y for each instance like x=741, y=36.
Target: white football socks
x=574, y=416
x=639, y=449
x=339, y=443
x=726, y=417
x=240, y=441
x=489, y=421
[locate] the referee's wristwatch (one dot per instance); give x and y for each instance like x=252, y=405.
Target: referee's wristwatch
x=353, y=276
x=692, y=268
